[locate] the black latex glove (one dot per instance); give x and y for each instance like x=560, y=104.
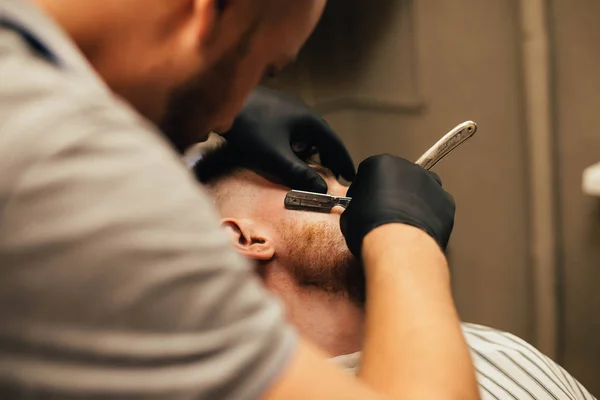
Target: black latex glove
x=273, y=130
x=390, y=189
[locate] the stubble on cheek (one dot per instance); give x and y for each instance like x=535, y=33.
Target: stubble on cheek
x=317, y=255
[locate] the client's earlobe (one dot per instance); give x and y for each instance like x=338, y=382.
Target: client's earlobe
x=248, y=239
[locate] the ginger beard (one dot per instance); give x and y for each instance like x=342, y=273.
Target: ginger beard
x=317, y=255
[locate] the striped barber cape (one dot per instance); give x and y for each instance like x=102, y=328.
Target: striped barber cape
x=507, y=368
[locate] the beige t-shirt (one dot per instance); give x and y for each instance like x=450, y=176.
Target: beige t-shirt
x=115, y=279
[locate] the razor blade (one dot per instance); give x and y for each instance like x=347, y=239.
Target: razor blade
x=318, y=202
x=309, y=201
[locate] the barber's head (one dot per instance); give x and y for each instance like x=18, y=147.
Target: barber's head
x=306, y=246
x=187, y=64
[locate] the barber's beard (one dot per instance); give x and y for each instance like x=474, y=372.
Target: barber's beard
x=317, y=255
x=193, y=106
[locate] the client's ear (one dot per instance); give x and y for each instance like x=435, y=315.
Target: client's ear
x=249, y=239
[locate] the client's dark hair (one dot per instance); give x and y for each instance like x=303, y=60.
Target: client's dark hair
x=225, y=159
x=219, y=162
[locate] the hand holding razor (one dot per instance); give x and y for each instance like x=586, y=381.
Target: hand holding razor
x=317, y=202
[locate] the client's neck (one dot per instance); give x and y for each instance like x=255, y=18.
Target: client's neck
x=331, y=321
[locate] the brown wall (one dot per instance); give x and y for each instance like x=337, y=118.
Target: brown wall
x=395, y=75
x=576, y=31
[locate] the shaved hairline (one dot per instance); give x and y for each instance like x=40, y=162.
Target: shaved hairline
x=235, y=190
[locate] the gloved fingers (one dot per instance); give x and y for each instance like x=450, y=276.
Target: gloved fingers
x=296, y=174
x=333, y=154
x=392, y=189
x=451, y=201
x=270, y=126
x=436, y=177
x=277, y=160
x=339, y=161
x=282, y=165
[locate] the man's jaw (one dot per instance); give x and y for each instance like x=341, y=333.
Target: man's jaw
x=330, y=320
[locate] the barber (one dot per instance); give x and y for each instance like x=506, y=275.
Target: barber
x=115, y=281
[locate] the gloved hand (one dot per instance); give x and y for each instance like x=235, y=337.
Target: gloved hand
x=390, y=189
x=273, y=130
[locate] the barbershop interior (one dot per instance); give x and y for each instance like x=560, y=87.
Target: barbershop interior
x=407, y=205
x=394, y=77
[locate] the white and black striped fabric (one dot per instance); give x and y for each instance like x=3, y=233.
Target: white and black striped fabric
x=508, y=368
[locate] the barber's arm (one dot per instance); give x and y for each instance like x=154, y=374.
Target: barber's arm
x=399, y=220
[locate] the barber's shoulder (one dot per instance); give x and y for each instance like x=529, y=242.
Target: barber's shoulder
x=46, y=110
x=38, y=95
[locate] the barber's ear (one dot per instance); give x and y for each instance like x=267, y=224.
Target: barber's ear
x=249, y=239
x=215, y=24
x=206, y=15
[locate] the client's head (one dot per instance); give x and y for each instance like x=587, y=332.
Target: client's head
x=308, y=247
x=301, y=256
